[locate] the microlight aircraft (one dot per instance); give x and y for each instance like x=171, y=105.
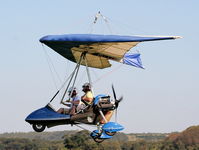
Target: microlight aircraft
x=90, y=50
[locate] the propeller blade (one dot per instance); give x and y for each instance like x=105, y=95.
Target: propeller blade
x=120, y=99
x=117, y=101
x=114, y=94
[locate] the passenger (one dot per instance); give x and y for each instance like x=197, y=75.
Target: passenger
x=73, y=103
x=87, y=98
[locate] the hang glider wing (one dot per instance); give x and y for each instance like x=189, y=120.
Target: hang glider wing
x=100, y=48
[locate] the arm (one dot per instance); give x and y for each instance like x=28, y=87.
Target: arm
x=66, y=103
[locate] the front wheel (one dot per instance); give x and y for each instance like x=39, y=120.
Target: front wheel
x=38, y=127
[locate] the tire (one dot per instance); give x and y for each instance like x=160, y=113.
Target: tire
x=110, y=133
x=38, y=127
x=98, y=140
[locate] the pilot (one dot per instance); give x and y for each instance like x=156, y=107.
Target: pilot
x=73, y=103
x=87, y=98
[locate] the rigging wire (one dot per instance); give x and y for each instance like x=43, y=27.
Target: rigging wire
x=106, y=21
x=66, y=69
x=61, y=87
x=126, y=27
x=75, y=79
x=49, y=65
x=88, y=74
x=81, y=77
x=108, y=73
x=91, y=28
x=72, y=75
x=82, y=127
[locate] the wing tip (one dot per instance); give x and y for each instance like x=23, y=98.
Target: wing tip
x=177, y=37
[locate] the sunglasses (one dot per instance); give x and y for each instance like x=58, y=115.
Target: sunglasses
x=84, y=86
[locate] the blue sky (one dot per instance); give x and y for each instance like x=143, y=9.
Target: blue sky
x=162, y=98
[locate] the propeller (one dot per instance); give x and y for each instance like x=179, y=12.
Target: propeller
x=117, y=101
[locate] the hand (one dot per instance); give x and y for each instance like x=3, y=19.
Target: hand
x=66, y=102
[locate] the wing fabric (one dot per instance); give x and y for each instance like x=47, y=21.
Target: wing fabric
x=99, y=48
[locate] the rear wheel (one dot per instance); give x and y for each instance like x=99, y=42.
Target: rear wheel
x=38, y=127
x=110, y=133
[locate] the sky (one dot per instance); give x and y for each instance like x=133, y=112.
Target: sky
x=162, y=98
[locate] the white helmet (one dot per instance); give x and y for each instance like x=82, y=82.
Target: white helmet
x=88, y=85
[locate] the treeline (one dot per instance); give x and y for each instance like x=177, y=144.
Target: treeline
x=186, y=140
x=82, y=141
x=27, y=144
x=58, y=135
x=48, y=136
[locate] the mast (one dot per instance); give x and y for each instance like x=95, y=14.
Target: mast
x=75, y=72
